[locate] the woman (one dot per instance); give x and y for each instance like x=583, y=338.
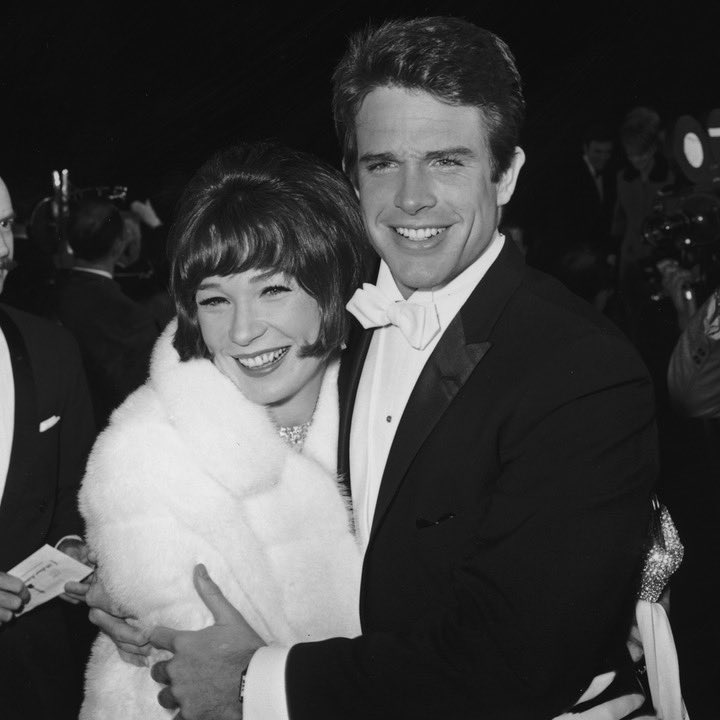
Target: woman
x=227, y=455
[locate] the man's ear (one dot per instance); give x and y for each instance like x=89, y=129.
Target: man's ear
x=506, y=184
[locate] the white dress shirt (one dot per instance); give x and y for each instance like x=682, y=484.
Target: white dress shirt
x=7, y=410
x=389, y=374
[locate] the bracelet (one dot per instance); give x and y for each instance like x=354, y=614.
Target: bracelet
x=241, y=692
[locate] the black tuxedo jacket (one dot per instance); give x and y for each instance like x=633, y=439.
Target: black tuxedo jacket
x=116, y=336
x=39, y=676
x=508, y=534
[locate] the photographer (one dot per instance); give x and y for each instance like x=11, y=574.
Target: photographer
x=694, y=368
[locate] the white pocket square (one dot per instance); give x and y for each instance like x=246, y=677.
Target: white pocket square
x=47, y=424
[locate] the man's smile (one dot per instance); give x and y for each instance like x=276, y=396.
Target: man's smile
x=422, y=233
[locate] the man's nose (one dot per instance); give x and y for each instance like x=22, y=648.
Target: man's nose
x=415, y=191
x=247, y=326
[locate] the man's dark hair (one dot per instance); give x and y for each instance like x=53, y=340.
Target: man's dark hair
x=597, y=132
x=267, y=207
x=93, y=227
x=451, y=59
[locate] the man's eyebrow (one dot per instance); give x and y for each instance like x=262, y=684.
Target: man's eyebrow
x=376, y=157
x=459, y=150
x=9, y=216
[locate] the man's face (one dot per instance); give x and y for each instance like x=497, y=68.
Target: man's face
x=425, y=187
x=6, y=234
x=598, y=153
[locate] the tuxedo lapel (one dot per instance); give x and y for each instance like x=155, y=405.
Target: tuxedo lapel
x=351, y=363
x=445, y=372
x=25, y=423
x=462, y=346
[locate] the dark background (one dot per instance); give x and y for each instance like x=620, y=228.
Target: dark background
x=139, y=94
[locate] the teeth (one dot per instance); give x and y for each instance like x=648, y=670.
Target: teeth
x=259, y=361
x=419, y=233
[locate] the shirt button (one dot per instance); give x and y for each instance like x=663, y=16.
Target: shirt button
x=389, y=418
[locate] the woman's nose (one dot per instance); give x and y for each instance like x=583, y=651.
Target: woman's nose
x=247, y=326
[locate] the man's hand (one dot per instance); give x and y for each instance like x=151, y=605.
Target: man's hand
x=132, y=643
x=203, y=677
x=13, y=595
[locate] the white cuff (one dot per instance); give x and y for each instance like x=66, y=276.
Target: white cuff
x=264, y=697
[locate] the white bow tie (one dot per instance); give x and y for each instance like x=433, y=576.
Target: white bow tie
x=418, y=323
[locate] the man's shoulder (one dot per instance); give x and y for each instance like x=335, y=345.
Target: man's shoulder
x=35, y=327
x=547, y=314
x=42, y=337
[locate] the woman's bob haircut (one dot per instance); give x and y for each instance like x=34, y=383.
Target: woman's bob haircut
x=263, y=206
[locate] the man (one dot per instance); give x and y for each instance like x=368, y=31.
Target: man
x=46, y=430
x=115, y=334
x=500, y=467
x=575, y=205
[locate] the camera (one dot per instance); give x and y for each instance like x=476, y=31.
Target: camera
x=684, y=224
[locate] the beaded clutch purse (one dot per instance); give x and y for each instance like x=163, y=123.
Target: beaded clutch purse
x=664, y=554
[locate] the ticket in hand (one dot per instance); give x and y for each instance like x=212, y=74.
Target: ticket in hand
x=45, y=573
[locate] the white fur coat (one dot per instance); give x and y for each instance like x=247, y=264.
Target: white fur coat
x=190, y=471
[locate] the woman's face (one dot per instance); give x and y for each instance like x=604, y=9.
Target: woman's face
x=254, y=324
x=641, y=161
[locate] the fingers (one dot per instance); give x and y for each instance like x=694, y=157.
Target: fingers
x=222, y=610
x=615, y=708
x=14, y=586
x=12, y=598
x=75, y=592
x=159, y=673
x=72, y=599
x=97, y=597
x=598, y=684
x=78, y=589
x=119, y=631
x=166, y=699
x=163, y=638
x=132, y=656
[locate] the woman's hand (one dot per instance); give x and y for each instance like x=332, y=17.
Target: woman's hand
x=132, y=643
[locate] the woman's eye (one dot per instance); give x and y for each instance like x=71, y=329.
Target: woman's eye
x=210, y=301
x=275, y=290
